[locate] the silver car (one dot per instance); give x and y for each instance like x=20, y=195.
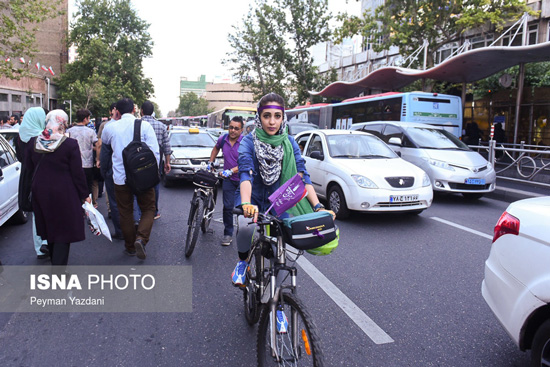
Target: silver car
x=191, y=149
x=452, y=166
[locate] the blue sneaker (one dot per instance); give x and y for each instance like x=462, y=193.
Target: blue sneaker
x=239, y=274
x=282, y=322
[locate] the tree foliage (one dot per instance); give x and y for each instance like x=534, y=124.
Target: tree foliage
x=406, y=24
x=271, y=48
x=191, y=105
x=111, y=42
x=19, y=21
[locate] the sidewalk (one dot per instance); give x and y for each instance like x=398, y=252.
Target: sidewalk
x=511, y=191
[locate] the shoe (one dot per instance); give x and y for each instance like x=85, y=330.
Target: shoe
x=157, y=216
x=282, y=322
x=118, y=236
x=42, y=256
x=140, y=249
x=239, y=274
x=226, y=240
x=45, y=249
x=130, y=252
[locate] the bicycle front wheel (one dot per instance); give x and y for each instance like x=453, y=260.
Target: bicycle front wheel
x=195, y=217
x=207, y=209
x=298, y=346
x=252, y=291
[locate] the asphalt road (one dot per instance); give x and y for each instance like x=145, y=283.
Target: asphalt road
x=412, y=283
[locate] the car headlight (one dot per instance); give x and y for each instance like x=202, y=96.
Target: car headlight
x=441, y=164
x=179, y=161
x=426, y=180
x=364, y=182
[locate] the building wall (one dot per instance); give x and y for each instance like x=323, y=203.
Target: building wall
x=198, y=87
x=220, y=95
x=16, y=96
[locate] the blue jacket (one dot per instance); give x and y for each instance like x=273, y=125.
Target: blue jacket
x=249, y=171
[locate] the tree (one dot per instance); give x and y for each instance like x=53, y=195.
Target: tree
x=271, y=49
x=112, y=42
x=406, y=24
x=158, y=112
x=192, y=105
x=19, y=20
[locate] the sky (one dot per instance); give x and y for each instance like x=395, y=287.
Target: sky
x=190, y=39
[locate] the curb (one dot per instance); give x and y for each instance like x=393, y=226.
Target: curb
x=510, y=195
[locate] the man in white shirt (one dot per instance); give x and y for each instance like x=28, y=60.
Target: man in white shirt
x=118, y=135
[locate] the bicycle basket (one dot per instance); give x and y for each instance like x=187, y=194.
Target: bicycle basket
x=309, y=231
x=205, y=178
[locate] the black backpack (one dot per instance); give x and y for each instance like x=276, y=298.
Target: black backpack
x=140, y=163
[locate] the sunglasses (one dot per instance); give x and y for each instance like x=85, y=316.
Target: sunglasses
x=234, y=128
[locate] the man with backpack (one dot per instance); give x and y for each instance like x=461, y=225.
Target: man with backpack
x=133, y=142
x=229, y=144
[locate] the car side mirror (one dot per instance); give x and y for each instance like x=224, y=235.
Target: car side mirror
x=317, y=155
x=395, y=141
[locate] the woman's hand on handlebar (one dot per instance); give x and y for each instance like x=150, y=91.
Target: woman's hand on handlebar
x=250, y=211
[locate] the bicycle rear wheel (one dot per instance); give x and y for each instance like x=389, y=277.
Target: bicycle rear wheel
x=252, y=292
x=195, y=217
x=299, y=346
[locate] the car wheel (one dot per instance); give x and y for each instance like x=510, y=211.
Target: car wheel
x=166, y=182
x=472, y=196
x=337, y=202
x=540, y=351
x=20, y=217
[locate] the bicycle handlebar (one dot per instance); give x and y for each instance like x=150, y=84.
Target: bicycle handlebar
x=263, y=218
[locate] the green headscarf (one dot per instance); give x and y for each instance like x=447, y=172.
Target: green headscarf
x=288, y=169
x=34, y=122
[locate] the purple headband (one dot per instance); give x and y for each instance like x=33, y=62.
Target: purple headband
x=270, y=106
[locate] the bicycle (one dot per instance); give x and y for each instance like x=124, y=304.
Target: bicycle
x=265, y=293
x=202, y=208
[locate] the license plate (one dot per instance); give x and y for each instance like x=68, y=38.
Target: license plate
x=474, y=181
x=403, y=198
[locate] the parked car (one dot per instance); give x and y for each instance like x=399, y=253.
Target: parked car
x=248, y=127
x=353, y=170
x=294, y=128
x=10, y=135
x=517, y=276
x=216, y=132
x=10, y=169
x=191, y=149
x=452, y=166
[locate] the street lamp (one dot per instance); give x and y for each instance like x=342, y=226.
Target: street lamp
x=70, y=110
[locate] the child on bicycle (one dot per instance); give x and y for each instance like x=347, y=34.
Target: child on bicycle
x=268, y=157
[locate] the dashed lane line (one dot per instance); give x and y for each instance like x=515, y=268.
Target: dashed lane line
x=462, y=227
x=373, y=331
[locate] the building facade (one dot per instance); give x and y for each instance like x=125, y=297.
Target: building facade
x=220, y=95
x=193, y=86
x=38, y=89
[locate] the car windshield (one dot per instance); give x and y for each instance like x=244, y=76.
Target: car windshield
x=294, y=129
x=431, y=138
x=358, y=146
x=10, y=137
x=192, y=140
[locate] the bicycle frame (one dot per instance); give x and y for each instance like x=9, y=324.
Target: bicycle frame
x=206, y=194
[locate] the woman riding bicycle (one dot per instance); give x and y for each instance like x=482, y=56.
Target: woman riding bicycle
x=268, y=157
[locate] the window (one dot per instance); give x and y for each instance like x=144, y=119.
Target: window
x=302, y=140
x=532, y=36
x=3, y=97
x=29, y=99
x=392, y=132
x=315, y=145
x=16, y=98
x=6, y=155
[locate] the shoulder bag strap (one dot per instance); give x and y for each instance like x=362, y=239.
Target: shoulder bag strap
x=137, y=130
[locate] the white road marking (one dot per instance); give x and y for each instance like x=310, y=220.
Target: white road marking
x=463, y=228
x=357, y=315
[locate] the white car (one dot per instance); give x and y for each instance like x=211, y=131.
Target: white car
x=353, y=170
x=191, y=148
x=517, y=276
x=10, y=170
x=452, y=166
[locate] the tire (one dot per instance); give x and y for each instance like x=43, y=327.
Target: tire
x=472, y=195
x=299, y=324
x=195, y=218
x=20, y=217
x=540, y=351
x=252, y=292
x=206, y=222
x=166, y=182
x=337, y=202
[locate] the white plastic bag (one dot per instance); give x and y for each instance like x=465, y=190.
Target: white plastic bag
x=96, y=221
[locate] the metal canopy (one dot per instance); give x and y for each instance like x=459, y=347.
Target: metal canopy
x=467, y=67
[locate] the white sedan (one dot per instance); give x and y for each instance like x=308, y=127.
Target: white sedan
x=517, y=276
x=354, y=170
